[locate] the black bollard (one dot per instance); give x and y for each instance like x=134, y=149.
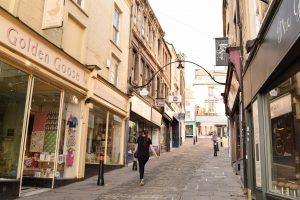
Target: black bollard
x=101, y=170
x=134, y=164
x=215, y=148
x=196, y=138
x=194, y=142
x=221, y=142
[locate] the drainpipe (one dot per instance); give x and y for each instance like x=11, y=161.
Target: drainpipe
x=242, y=131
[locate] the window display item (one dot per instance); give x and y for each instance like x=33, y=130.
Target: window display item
x=37, y=141
x=39, y=121
x=70, y=157
x=50, y=141
x=72, y=121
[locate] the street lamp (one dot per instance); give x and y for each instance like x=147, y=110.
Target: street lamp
x=144, y=91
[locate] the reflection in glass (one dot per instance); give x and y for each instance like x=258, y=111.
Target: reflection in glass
x=114, y=139
x=96, y=135
x=13, y=91
x=284, y=102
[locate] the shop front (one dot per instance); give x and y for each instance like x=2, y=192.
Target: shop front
x=166, y=130
x=232, y=105
x=108, y=112
x=42, y=92
x=142, y=117
x=167, y=134
x=272, y=106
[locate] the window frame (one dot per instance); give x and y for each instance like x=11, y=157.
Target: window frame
x=116, y=25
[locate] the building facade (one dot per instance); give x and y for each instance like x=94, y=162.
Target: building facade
x=269, y=96
x=209, y=106
x=148, y=53
x=190, y=123
x=56, y=114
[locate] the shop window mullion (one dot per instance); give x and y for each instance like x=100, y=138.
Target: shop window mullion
x=265, y=142
x=106, y=137
x=61, y=103
x=25, y=129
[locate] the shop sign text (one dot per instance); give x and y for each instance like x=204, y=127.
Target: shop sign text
x=27, y=44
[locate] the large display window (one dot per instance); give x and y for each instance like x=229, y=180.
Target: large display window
x=13, y=92
x=104, y=137
x=40, y=143
x=284, y=104
x=96, y=135
x=114, y=138
x=132, y=138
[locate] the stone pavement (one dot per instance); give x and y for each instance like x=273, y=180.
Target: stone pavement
x=188, y=173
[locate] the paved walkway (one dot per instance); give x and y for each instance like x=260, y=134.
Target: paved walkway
x=188, y=173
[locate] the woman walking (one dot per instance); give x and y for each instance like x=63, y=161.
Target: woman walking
x=142, y=147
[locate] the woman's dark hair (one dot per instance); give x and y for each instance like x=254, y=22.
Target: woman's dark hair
x=146, y=138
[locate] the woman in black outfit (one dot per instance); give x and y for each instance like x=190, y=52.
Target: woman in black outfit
x=142, y=148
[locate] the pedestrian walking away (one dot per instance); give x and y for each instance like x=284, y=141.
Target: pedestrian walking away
x=142, y=148
x=214, y=138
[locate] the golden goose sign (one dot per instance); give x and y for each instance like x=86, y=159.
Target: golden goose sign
x=19, y=39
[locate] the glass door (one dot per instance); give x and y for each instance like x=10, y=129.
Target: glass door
x=40, y=142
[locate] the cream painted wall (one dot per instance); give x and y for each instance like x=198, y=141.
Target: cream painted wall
x=100, y=47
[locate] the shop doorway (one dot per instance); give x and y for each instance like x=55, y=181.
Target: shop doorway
x=41, y=139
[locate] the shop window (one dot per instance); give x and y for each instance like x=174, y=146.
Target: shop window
x=132, y=138
x=13, y=86
x=113, y=153
x=114, y=71
x=284, y=104
x=96, y=135
x=68, y=142
x=116, y=26
x=42, y=133
x=189, y=130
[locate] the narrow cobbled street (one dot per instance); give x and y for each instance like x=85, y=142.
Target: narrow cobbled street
x=190, y=172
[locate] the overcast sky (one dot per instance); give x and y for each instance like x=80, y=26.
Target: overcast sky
x=191, y=25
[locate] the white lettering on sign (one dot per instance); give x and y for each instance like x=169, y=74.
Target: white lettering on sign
x=21, y=40
x=297, y=10
x=281, y=106
x=283, y=27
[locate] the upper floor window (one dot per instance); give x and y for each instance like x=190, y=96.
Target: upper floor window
x=80, y=3
x=136, y=14
x=113, y=74
x=116, y=25
x=144, y=19
x=135, y=65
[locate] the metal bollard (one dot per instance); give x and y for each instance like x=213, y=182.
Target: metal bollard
x=194, y=142
x=196, y=138
x=101, y=170
x=134, y=164
x=221, y=142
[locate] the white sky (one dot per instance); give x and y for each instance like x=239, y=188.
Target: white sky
x=191, y=25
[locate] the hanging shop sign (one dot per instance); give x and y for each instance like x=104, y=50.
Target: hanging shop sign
x=160, y=103
x=53, y=14
x=221, y=55
x=175, y=99
x=17, y=37
x=181, y=116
